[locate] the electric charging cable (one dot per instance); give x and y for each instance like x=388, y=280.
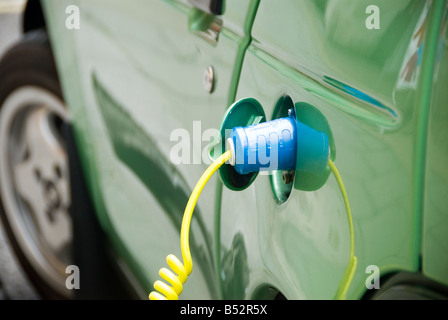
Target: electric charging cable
x=184, y=270
x=353, y=261
x=244, y=148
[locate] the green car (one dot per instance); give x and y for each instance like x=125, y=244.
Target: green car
x=109, y=111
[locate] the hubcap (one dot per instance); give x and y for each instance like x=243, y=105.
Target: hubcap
x=34, y=181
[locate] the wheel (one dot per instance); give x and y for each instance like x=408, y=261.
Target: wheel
x=34, y=176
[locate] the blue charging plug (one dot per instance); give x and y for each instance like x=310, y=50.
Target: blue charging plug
x=281, y=144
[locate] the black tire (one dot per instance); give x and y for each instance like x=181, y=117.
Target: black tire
x=29, y=63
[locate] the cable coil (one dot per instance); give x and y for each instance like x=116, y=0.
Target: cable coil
x=166, y=292
x=181, y=271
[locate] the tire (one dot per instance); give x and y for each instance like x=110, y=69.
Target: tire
x=34, y=167
x=408, y=286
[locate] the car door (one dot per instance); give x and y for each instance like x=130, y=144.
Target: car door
x=133, y=77
x=358, y=70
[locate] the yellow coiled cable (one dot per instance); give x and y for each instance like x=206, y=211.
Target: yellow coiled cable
x=166, y=292
x=352, y=262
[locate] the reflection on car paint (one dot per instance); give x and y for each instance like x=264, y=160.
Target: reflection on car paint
x=410, y=69
x=359, y=95
x=235, y=268
x=142, y=156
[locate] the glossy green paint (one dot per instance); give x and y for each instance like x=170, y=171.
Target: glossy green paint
x=370, y=85
x=435, y=218
x=129, y=87
x=132, y=75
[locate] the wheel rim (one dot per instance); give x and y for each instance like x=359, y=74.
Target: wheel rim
x=34, y=181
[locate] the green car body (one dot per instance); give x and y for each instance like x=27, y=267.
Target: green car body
x=133, y=73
